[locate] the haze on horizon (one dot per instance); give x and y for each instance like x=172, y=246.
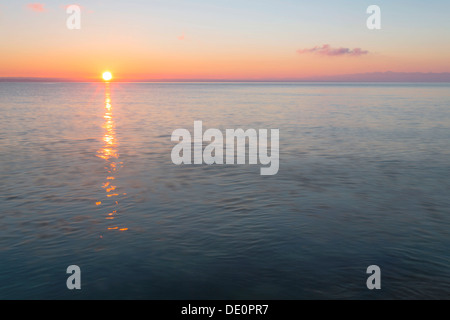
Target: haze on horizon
x=229, y=40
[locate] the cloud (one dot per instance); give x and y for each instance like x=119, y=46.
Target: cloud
x=326, y=50
x=36, y=7
x=181, y=37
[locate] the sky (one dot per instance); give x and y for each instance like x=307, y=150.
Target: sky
x=222, y=39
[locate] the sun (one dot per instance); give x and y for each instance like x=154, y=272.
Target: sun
x=107, y=76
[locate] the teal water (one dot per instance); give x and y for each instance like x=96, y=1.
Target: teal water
x=86, y=178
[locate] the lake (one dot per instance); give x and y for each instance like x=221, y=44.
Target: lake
x=86, y=179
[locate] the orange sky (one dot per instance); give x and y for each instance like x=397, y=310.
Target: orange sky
x=205, y=40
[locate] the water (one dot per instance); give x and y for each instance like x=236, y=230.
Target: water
x=87, y=179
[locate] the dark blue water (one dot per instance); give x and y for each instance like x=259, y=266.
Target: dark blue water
x=86, y=178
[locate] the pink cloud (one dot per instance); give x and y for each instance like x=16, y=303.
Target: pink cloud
x=181, y=37
x=326, y=50
x=36, y=7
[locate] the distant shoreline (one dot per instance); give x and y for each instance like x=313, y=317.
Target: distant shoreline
x=227, y=81
x=376, y=77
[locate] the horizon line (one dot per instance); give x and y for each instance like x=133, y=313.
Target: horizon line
x=387, y=76
x=52, y=80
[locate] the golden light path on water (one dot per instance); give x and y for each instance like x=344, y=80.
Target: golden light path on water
x=109, y=152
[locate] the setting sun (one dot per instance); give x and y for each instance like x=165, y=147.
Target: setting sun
x=107, y=76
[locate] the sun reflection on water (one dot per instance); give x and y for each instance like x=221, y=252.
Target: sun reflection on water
x=109, y=152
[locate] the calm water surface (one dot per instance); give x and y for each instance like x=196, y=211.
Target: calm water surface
x=87, y=179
